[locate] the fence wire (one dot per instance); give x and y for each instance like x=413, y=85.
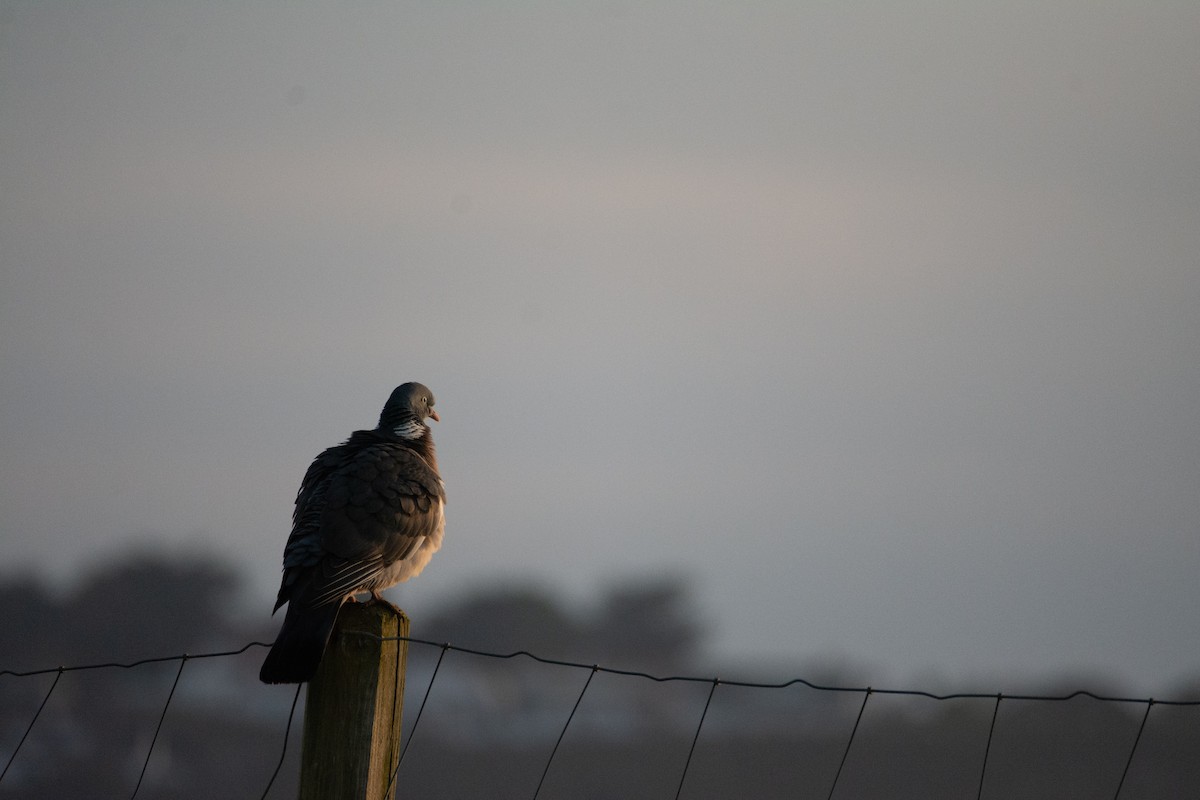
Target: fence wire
x=592, y=670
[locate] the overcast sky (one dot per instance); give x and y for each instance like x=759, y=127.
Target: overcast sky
x=877, y=320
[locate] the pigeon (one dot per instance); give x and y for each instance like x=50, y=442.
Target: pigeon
x=369, y=514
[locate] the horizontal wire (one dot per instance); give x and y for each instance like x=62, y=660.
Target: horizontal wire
x=638, y=674
x=784, y=684
x=132, y=664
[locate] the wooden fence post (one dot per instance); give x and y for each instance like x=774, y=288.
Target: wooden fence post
x=352, y=709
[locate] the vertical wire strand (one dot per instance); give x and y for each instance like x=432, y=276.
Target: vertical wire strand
x=563, y=732
x=286, y=731
x=158, y=728
x=1132, y=750
x=846, y=752
x=417, y=719
x=29, y=727
x=988, y=748
x=696, y=737
x=1148, y=703
x=397, y=706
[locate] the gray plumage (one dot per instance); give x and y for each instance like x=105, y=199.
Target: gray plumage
x=369, y=514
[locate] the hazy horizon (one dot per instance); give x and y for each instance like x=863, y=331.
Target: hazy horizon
x=877, y=322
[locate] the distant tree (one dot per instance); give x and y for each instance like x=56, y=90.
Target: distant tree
x=647, y=622
x=149, y=604
x=138, y=605
x=506, y=618
x=27, y=613
x=650, y=622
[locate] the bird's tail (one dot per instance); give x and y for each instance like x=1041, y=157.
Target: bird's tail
x=297, y=651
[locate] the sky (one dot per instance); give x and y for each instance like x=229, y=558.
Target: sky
x=876, y=321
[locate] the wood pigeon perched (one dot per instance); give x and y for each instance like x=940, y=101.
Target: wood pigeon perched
x=369, y=514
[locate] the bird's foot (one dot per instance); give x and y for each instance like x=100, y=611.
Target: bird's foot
x=377, y=598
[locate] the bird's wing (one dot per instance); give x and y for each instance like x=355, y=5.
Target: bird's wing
x=303, y=550
x=362, y=511
x=378, y=501
x=303, y=546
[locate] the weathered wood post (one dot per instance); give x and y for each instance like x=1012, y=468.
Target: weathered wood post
x=352, y=712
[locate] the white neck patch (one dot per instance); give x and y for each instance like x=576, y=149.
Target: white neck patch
x=412, y=429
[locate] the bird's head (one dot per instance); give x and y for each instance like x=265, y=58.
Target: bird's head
x=405, y=412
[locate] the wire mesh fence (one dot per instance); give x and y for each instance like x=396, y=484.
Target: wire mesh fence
x=523, y=725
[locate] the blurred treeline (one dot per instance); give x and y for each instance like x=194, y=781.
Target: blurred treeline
x=490, y=724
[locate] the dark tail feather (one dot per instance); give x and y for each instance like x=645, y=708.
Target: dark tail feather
x=297, y=651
